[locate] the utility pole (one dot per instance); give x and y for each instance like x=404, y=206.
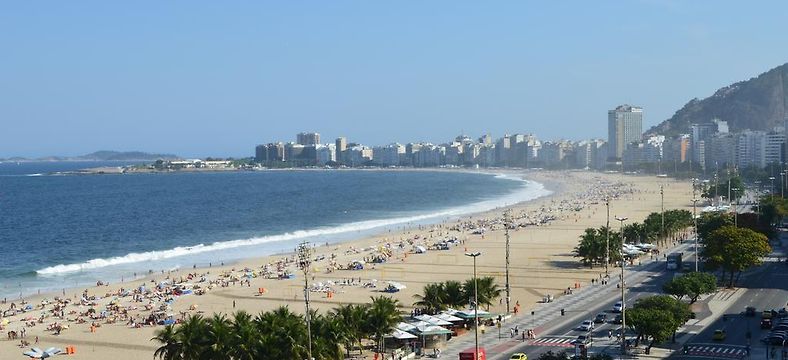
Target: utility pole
x=695, y=223
x=304, y=262
x=736, y=209
x=607, y=240
x=475, y=306
x=623, y=299
x=506, y=222
x=662, y=196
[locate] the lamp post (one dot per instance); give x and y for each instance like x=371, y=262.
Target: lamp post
x=695, y=225
x=475, y=306
x=304, y=262
x=735, y=208
x=662, y=207
x=771, y=192
x=508, y=288
x=607, y=240
x=623, y=286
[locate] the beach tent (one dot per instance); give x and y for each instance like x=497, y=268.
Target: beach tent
x=469, y=314
x=432, y=320
x=394, y=287
x=420, y=249
x=402, y=335
x=37, y=353
x=448, y=317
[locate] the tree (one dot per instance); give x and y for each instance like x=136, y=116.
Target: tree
x=488, y=290
x=592, y=246
x=382, y=317
x=245, y=342
x=734, y=250
x=657, y=317
x=454, y=294
x=283, y=334
x=352, y=318
x=171, y=347
x=693, y=285
x=433, y=299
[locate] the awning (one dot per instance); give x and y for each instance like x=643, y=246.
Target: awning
x=402, y=335
x=433, y=320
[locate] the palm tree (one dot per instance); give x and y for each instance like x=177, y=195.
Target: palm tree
x=352, y=318
x=244, y=340
x=434, y=298
x=192, y=336
x=383, y=316
x=218, y=337
x=328, y=336
x=284, y=334
x=488, y=290
x=171, y=348
x=454, y=294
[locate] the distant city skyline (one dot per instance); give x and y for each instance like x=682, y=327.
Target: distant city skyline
x=200, y=79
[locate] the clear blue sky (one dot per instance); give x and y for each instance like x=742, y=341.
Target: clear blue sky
x=200, y=78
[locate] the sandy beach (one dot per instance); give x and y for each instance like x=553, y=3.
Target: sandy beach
x=541, y=264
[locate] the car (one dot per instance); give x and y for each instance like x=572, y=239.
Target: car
x=518, y=356
x=583, y=340
x=773, y=340
x=618, y=319
x=766, y=314
x=617, y=307
x=719, y=335
x=600, y=318
x=766, y=324
x=586, y=325
x=749, y=311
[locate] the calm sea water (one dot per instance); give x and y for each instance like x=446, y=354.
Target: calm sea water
x=62, y=231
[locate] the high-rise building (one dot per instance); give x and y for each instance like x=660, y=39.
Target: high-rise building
x=624, y=125
x=751, y=149
x=340, y=145
x=775, y=142
x=307, y=138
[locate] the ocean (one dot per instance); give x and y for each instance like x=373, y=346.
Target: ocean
x=63, y=231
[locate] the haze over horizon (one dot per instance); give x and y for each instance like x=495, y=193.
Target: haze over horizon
x=211, y=79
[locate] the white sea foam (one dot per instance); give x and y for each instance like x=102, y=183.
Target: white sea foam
x=529, y=191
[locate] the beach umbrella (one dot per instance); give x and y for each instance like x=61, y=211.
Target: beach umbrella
x=37, y=353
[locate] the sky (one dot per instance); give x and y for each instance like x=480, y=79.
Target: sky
x=209, y=78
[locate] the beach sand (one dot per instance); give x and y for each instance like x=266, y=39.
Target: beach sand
x=541, y=263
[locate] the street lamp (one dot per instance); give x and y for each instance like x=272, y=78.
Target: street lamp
x=695, y=224
x=607, y=240
x=508, y=288
x=735, y=208
x=623, y=303
x=475, y=306
x=662, y=206
x=304, y=262
x=771, y=192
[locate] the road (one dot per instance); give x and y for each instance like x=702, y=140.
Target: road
x=557, y=335
x=764, y=288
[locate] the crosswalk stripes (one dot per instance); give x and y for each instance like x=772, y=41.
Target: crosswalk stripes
x=717, y=350
x=553, y=341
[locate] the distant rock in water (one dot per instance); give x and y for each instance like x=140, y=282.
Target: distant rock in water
x=125, y=155
x=758, y=104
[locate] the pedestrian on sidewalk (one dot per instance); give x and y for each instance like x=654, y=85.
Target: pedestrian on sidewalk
x=610, y=334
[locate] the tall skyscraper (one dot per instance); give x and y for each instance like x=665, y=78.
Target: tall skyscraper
x=306, y=138
x=624, y=125
x=340, y=145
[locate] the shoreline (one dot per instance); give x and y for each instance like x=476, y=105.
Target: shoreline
x=542, y=262
x=349, y=235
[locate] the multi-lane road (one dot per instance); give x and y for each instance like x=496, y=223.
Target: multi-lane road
x=558, y=334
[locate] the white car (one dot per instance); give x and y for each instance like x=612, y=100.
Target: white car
x=618, y=307
x=587, y=325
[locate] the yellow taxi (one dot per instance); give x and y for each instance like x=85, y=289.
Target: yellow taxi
x=518, y=356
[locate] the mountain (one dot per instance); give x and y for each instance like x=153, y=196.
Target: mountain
x=105, y=155
x=758, y=104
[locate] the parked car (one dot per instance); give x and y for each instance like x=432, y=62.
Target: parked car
x=773, y=340
x=586, y=325
x=600, y=318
